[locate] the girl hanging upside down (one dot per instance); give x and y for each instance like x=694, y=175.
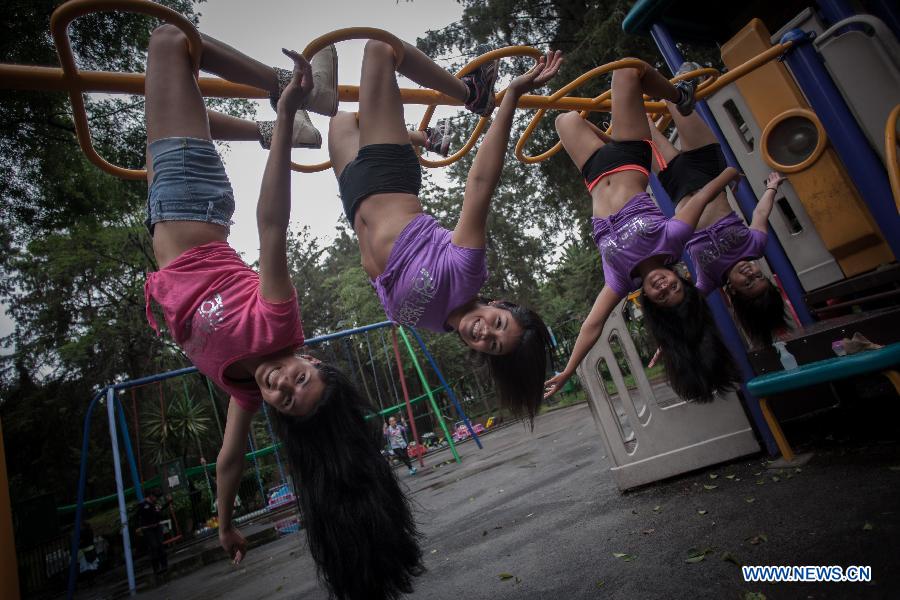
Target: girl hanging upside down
x=242, y=329
x=637, y=242
x=425, y=275
x=723, y=249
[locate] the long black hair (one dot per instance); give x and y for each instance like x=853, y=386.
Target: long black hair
x=698, y=364
x=760, y=316
x=358, y=522
x=519, y=376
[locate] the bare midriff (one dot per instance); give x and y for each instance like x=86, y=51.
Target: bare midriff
x=613, y=192
x=714, y=212
x=171, y=239
x=379, y=220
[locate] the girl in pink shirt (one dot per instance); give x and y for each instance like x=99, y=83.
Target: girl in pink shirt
x=426, y=275
x=637, y=243
x=242, y=329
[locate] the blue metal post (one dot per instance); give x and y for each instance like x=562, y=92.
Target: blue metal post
x=120, y=489
x=730, y=335
x=446, y=385
x=848, y=140
x=79, y=506
x=746, y=199
x=835, y=10
x=129, y=454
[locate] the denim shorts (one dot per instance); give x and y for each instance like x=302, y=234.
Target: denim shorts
x=189, y=183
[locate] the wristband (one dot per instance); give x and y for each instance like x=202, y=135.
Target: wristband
x=774, y=189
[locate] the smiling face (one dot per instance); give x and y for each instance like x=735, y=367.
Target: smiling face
x=290, y=384
x=746, y=279
x=663, y=287
x=489, y=330
x=392, y=421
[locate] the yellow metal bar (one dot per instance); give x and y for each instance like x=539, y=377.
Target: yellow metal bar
x=52, y=79
x=786, y=451
x=77, y=83
x=9, y=570
x=894, y=377
x=890, y=154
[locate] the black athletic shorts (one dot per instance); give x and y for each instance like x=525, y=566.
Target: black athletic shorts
x=379, y=169
x=691, y=170
x=614, y=155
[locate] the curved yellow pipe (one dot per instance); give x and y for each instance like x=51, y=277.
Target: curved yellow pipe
x=890, y=153
x=76, y=82
x=59, y=23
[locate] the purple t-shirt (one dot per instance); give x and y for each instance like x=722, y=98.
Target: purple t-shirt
x=633, y=234
x=717, y=248
x=427, y=276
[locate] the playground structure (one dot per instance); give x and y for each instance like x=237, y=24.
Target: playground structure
x=786, y=103
x=836, y=233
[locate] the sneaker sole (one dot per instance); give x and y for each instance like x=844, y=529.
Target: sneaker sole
x=328, y=108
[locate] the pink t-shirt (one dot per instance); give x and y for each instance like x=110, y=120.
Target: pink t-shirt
x=215, y=311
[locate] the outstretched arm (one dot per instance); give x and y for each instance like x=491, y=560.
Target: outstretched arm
x=691, y=210
x=229, y=470
x=273, y=211
x=761, y=213
x=470, y=231
x=590, y=332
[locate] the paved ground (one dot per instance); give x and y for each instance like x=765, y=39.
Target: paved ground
x=543, y=508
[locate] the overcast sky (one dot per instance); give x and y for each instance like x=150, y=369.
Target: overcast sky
x=261, y=29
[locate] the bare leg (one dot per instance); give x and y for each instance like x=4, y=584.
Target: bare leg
x=343, y=140
x=227, y=128
x=419, y=67
x=380, y=107
x=221, y=59
x=628, y=87
x=578, y=137
x=174, y=106
x=693, y=132
x=665, y=147
x=418, y=138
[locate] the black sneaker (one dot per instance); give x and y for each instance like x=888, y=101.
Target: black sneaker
x=686, y=101
x=481, y=86
x=438, y=139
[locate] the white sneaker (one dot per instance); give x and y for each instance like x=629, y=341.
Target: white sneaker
x=305, y=134
x=323, y=99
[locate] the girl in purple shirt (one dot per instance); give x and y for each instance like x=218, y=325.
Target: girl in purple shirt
x=637, y=243
x=425, y=275
x=723, y=249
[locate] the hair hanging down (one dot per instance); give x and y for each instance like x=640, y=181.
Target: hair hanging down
x=520, y=375
x=760, y=316
x=698, y=364
x=358, y=522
